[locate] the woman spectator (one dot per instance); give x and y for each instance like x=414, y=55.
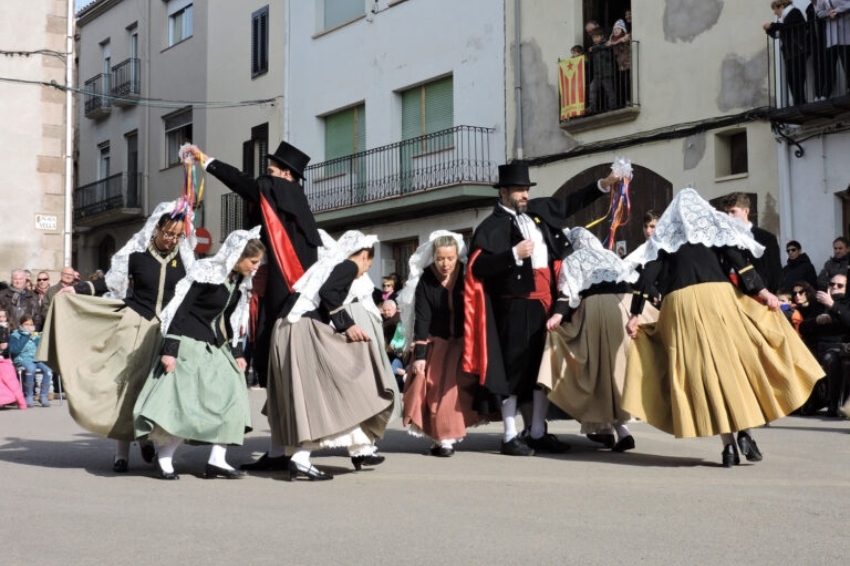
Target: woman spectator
x=438, y=397
x=102, y=342
x=23, y=344
x=584, y=363
x=790, y=27
x=716, y=362
x=333, y=386
x=837, y=35
x=197, y=391
x=806, y=307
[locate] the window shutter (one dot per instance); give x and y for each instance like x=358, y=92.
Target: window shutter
x=264, y=40
x=411, y=113
x=255, y=44
x=439, y=106
x=339, y=138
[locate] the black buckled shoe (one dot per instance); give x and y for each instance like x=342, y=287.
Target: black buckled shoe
x=160, y=474
x=211, y=472
x=626, y=443
x=548, y=443
x=267, y=464
x=119, y=466
x=371, y=460
x=749, y=448
x=607, y=440
x=310, y=472
x=730, y=456
x=442, y=451
x=516, y=447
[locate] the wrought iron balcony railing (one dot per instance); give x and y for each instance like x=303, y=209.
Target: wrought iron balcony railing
x=126, y=79
x=459, y=155
x=115, y=192
x=95, y=101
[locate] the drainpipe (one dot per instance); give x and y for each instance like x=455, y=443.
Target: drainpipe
x=287, y=47
x=518, y=82
x=69, y=136
x=146, y=125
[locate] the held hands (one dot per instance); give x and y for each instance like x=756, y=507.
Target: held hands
x=632, y=327
x=418, y=367
x=241, y=364
x=554, y=322
x=524, y=249
x=769, y=299
x=825, y=299
x=169, y=363
x=356, y=334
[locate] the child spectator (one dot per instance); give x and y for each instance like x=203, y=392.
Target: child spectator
x=602, y=71
x=620, y=43
x=23, y=345
x=10, y=389
x=576, y=51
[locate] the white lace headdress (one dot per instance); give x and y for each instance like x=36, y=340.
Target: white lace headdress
x=590, y=263
x=691, y=219
x=335, y=253
x=215, y=270
x=118, y=276
x=418, y=263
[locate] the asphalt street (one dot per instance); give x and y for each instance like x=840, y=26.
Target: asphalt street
x=667, y=502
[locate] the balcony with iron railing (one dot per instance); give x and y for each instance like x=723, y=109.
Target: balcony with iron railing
x=97, y=92
x=600, y=89
x=114, y=198
x=126, y=82
x=807, y=78
x=422, y=175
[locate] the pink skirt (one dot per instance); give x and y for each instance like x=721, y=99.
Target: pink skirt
x=10, y=387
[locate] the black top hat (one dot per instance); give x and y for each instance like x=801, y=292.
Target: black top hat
x=514, y=174
x=291, y=158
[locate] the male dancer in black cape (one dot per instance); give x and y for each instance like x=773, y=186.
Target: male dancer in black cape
x=289, y=234
x=513, y=278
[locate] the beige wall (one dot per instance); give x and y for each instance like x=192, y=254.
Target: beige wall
x=32, y=137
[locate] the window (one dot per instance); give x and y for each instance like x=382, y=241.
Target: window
x=730, y=153
x=178, y=130
x=427, y=109
x=179, y=21
x=345, y=132
x=260, y=42
x=103, y=160
x=338, y=12
x=254, y=151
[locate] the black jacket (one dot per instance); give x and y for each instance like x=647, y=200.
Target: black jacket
x=798, y=269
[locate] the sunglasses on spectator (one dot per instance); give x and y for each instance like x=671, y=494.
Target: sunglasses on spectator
x=836, y=285
x=43, y=279
x=799, y=292
x=791, y=250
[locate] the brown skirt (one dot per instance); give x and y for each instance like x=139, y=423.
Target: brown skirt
x=716, y=361
x=438, y=403
x=322, y=386
x=104, y=351
x=584, y=363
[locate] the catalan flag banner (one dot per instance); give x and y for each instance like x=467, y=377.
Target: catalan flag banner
x=571, y=80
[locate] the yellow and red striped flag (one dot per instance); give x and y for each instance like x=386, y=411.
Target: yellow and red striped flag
x=571, y=82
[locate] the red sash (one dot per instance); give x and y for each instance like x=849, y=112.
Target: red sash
x=474, y=324
x=284, y=254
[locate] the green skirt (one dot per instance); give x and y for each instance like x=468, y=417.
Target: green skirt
x=203, y=400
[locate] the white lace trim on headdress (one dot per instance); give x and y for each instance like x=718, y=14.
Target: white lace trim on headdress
x=311, y=282
x=691, y=219
x=215, y=270
x=589, y=264
x=118, y=276
x=418, y=263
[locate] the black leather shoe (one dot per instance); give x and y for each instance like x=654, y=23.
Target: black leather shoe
x=748, y=447
x=607, y=440
x=211, y=472
x=372, y=460
x=160, y=474
x=119, y=466
x=311, y=472
x=442, y=451
x=626, y=443
x=148, y=452
x=516, y=447
x=548, y=443
x=267, y=464
x=730, y=456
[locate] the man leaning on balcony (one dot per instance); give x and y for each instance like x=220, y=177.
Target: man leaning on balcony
x=289, y=233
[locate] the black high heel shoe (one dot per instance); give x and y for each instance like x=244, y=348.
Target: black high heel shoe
x=310, y=472
x=730, y=456
x=371, y=460
x=212, y=472
x=749, y=448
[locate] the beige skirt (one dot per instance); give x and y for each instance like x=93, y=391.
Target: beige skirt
x=584, y=362
x=716, y=361
x=321, y=386
x=104, y=351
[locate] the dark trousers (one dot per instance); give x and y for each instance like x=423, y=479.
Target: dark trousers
x=836, y=364
x=522, y=336
x=795, y=76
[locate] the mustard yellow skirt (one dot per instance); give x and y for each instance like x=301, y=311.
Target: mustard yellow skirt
x=716, y=361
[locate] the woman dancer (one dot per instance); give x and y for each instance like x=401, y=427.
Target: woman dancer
x=716, y=362
x=584, y=363
x=197, y=392
x=330, y=384
x=438, y=398
x=104, y=348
